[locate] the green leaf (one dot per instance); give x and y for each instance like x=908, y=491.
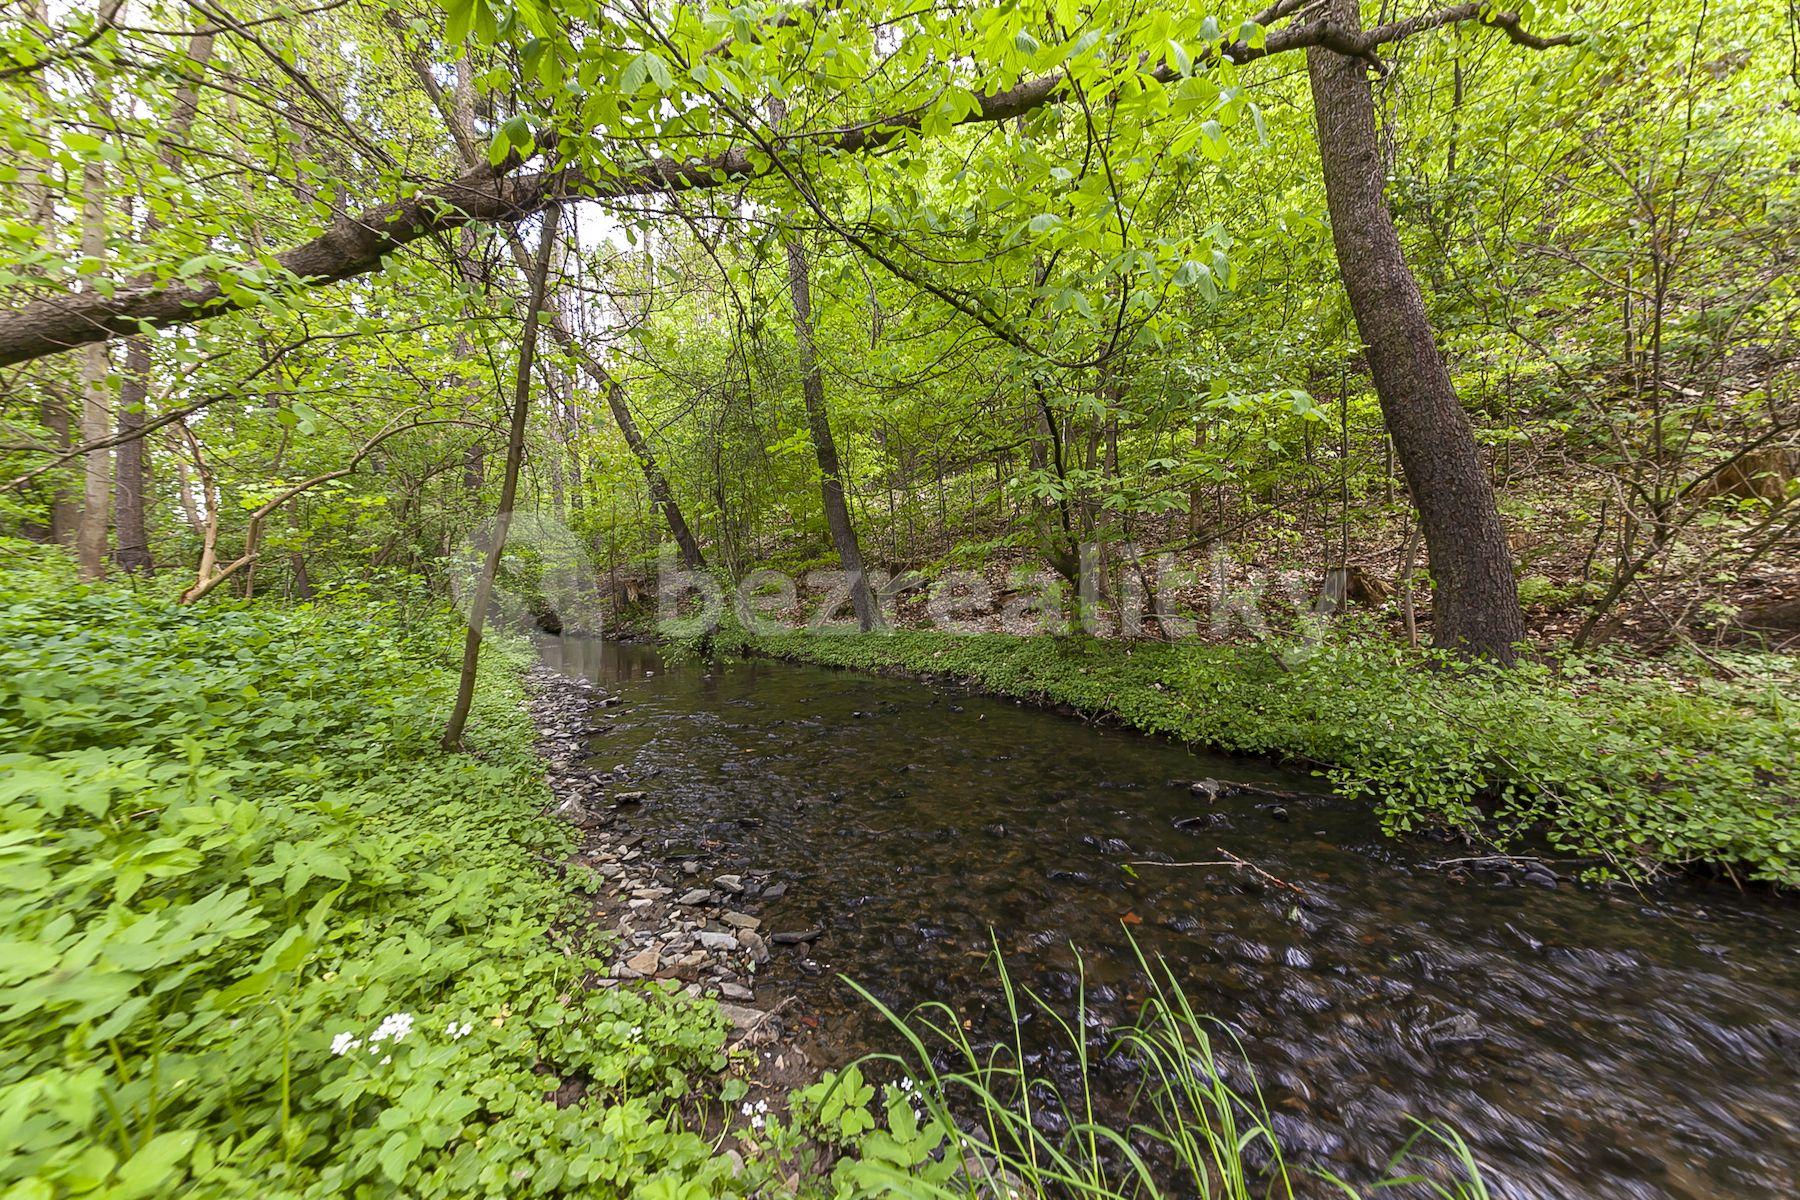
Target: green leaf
x=155, y=1167
x=458, y=16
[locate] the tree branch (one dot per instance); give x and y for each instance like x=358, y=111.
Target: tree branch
x=356, y=244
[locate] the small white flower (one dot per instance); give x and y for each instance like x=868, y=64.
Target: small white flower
x=457, y=1032
x=756, y=1122
x=906, y=1083
x=396, y=1026
x=637, y=1031
x=747, y=1109
x=344, y=1043
x=386, y=1059
x=762, y=1106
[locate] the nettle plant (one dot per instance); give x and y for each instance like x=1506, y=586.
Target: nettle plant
x=259, y=937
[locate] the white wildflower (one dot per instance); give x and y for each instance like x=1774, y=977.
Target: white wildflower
x=747, y=1109
x=344, y=1043
x=386, y=1059
x=457, y=1033
x=396, y=1026
x=756, y=1122
x=762, y=1106
x=906, y=1083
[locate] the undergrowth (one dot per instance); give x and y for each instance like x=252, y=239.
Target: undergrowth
x=258, y=936
x=1630, y=764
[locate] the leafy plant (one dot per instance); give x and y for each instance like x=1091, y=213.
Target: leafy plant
x=261, y=937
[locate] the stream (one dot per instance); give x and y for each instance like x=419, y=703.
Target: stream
x=1586, y=1041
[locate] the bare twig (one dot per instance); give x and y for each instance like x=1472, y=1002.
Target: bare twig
x=1230, y=860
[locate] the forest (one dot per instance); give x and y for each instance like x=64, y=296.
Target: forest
x=1052, y=598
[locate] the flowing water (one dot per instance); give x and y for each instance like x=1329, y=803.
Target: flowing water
x=1586, y=1041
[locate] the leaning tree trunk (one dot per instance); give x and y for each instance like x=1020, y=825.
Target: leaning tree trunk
x=509, y=485
x=831, y=475
x=1475, y=602
x=660, y=492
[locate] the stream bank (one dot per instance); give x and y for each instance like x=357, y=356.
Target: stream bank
x=1633, y=770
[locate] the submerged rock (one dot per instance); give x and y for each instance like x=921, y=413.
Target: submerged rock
x=797, y=937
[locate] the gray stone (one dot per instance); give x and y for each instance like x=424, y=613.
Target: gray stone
x=740, y=920
x=742, y=1019
x=695, y=898
x=717, y=941
x=731, y=883
x=645, y=962
x=796, y=937
x=736, y=991
x=752, y=942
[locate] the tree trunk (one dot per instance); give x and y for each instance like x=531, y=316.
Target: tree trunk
x=509, y=486
x=96, y=375
x=53, y=408
x=1475, y=602
x=132, y=551
x=831, y=480
x=660, y=493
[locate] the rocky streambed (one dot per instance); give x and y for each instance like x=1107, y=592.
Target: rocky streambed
x=757, y=830
x=674, y=920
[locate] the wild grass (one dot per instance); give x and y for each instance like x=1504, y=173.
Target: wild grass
x=1183, y=1130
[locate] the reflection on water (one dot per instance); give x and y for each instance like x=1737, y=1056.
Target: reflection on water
x=1587, y=1042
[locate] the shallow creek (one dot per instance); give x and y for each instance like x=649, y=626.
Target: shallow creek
x=1586, y=1041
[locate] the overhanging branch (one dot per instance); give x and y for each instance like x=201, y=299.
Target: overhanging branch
x=356, y=244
